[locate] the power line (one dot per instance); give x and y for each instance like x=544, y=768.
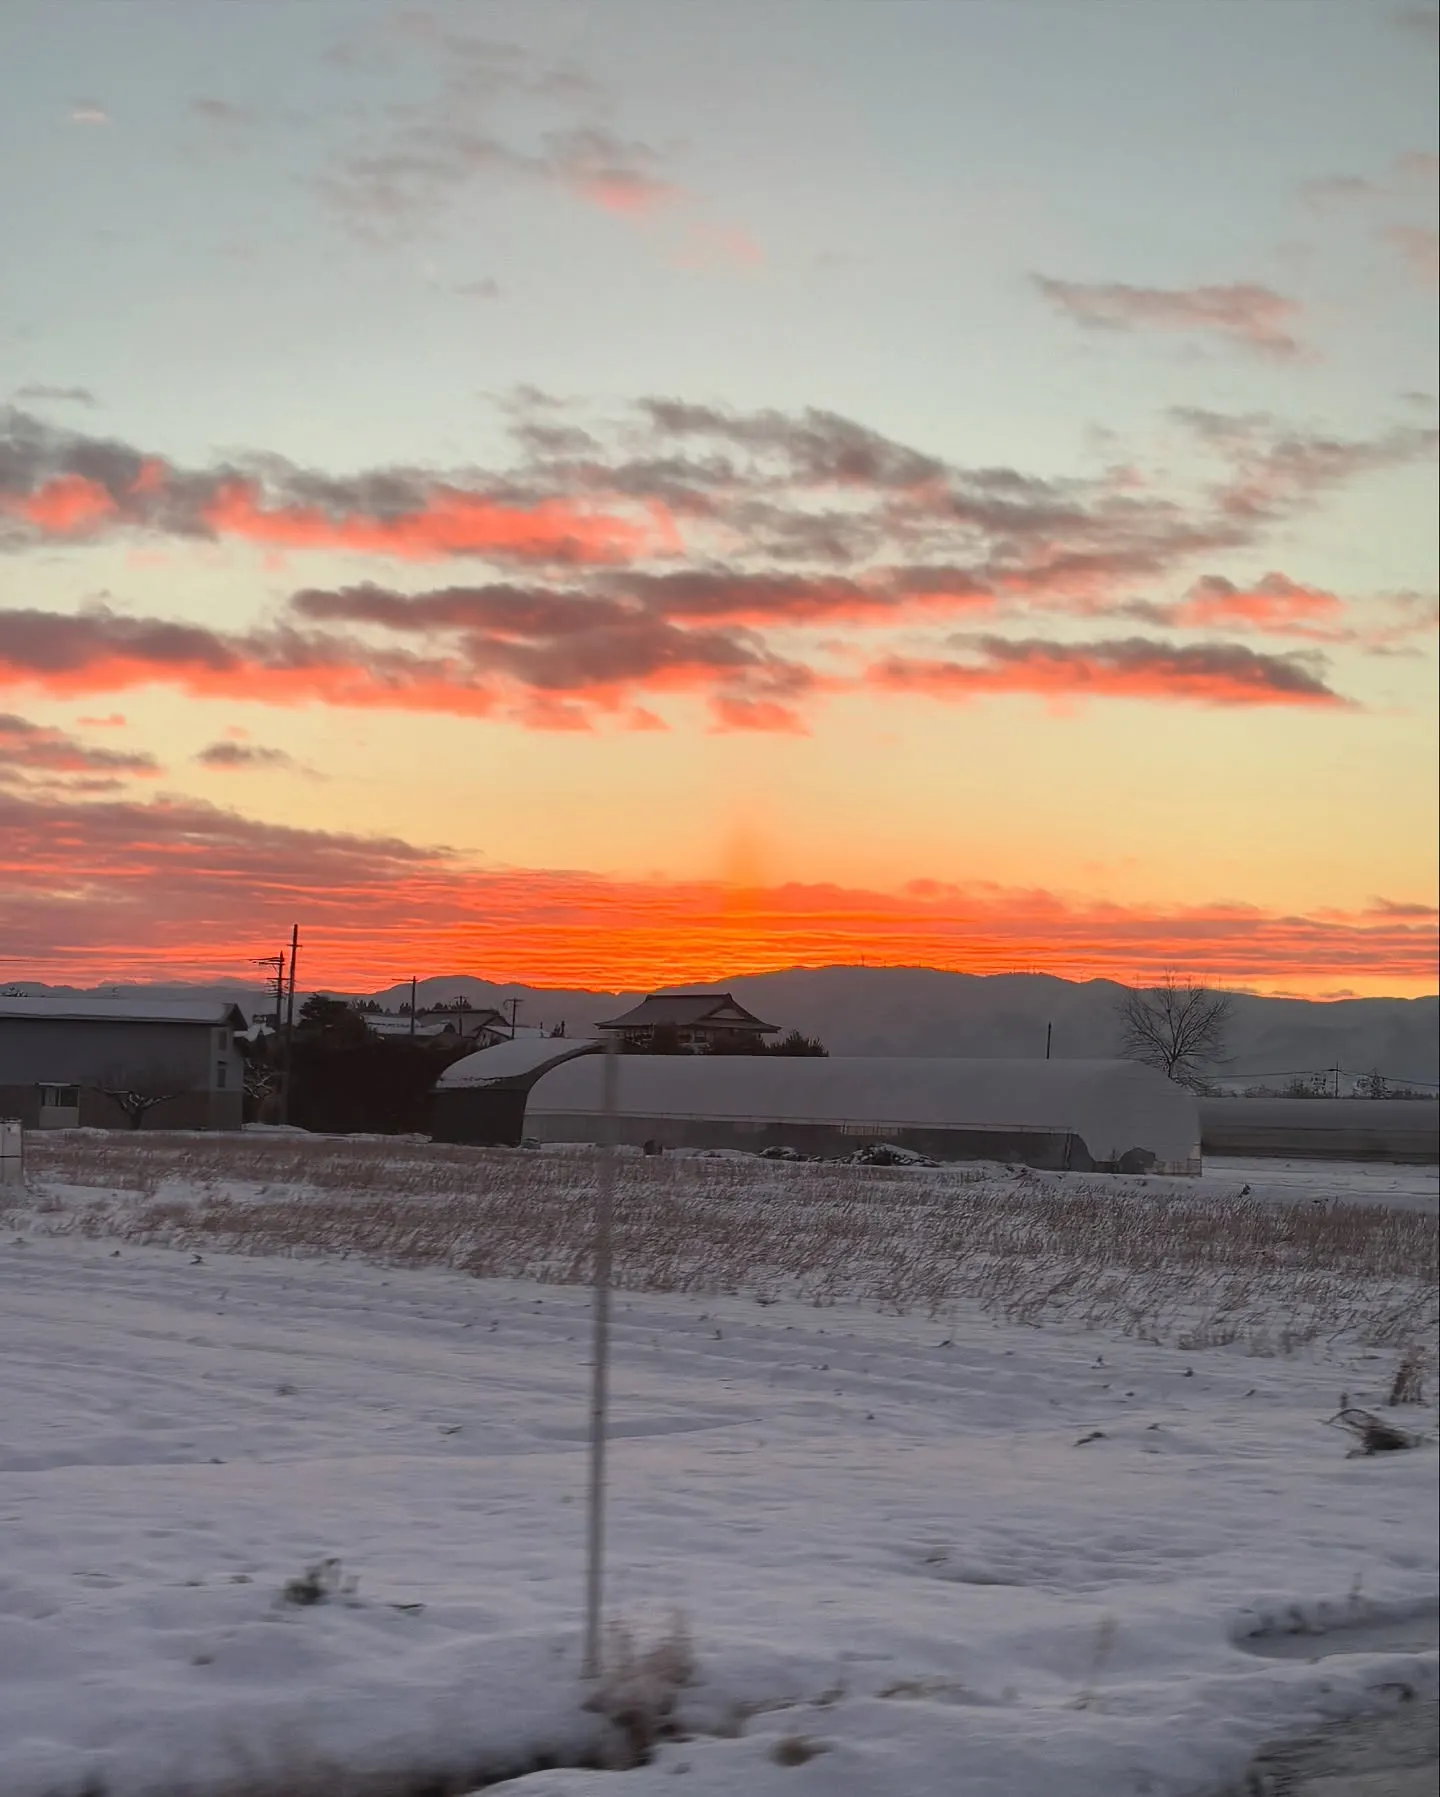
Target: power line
x=1390, y=1079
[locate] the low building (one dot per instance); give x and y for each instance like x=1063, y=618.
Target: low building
x=440, y=1027
x=694, y=1022
x=114, y=1063
x=1057, y=1115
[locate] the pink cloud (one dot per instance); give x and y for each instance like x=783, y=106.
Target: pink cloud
x=1419, y=247
x=1242, y=312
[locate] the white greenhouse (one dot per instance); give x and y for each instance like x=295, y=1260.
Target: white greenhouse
x=1048, y=1114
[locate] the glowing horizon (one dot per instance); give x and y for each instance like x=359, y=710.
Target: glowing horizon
x=373, y=911
x=533, y=504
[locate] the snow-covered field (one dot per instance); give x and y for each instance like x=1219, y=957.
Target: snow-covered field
x=1402, y=1187
x=918, y=1547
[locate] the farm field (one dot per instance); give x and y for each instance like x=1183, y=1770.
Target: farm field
x=967, y=1481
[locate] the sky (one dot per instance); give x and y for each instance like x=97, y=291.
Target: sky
x=628, y=493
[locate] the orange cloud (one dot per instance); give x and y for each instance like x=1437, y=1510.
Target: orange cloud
x=733, y=713
x=542, y=676
x=1273, y=604
x=117, y=890
x=30, y=751
x=63, y=484
x=1134, y=668
x=68, y=506
x=546, y=672
x=450, y=522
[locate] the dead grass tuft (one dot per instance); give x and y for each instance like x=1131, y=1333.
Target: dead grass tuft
x=1408, y=1385
x=795, y=1750
x=639, y=1689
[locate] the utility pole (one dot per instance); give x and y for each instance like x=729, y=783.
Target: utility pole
x=514, y=1004
x=412, y=1007
x=286, y=1041
x=1049, y=1028
x=278, y=963
x=593, y=1662
x=294, y=956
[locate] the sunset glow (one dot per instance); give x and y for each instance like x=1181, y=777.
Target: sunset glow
x=376, y=909
x=534, y=504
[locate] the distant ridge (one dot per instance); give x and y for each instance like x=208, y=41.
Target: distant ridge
x=923, y=1011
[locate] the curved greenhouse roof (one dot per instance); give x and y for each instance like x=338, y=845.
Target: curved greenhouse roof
x=1115, y=1107
x=518, y=1060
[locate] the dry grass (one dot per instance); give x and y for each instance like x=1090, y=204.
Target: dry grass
x=1408, y=1385
x=796, y=1750
x=639, y=1689
x=1192, y=1270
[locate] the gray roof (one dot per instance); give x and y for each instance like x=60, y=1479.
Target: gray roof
x=218, y=1013
x=683, y=1010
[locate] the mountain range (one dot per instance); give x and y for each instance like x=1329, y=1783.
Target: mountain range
x=923, y=1011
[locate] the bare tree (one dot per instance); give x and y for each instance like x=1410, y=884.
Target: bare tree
x=138, y=1092
x=1177, y=1026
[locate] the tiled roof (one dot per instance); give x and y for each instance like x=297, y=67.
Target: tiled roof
x=684, y=1010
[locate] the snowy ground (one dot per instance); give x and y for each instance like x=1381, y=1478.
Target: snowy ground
x=915, y=1554
x=1354, y=1182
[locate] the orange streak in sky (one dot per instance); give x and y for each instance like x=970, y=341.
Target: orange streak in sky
x=1071, y=677
x=178, y=891
x=451, y=523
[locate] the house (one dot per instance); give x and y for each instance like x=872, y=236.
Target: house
x=118, y=1063
x=698, y=1022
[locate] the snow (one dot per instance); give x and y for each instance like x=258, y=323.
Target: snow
x=516, y=1059
x=1396, y=1185
x=124, y=1010
x=952, y=1554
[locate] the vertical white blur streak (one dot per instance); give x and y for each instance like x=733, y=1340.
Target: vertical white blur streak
x=600, y=1368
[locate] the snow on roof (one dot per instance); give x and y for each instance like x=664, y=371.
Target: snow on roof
x=217, y=1012
x=684, y=1009
x=471, y=1013
x=526, y=1056
x=400, y=1026
x=1112, y=1105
